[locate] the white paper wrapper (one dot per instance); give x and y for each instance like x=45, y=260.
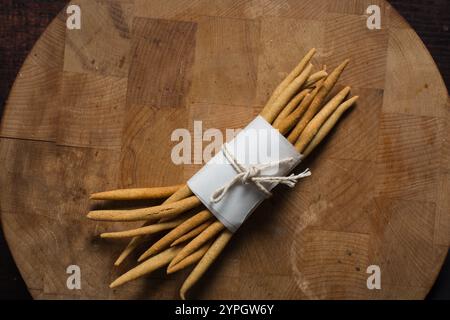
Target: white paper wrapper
x=258, y=143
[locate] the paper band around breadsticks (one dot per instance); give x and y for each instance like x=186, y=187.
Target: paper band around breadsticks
x=253, y=174
x=262, y=152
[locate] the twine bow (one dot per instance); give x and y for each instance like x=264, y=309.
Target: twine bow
x=252, y=174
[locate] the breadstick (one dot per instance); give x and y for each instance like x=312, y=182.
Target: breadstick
x=294, y=117
x=198, y=241
x=290, y=107
x=314, y=78
x=292, y=75
x=327, y=86
x=173, y=235
x=193, y=233
x=186, y=262
x=133, y=244
x=328, y=125
x=150, y=229
x=280, y=102
x=316, y=122
x=182, y=193
x=136, y=193
x=156, y=212
x=146, y=267
x=210, y=256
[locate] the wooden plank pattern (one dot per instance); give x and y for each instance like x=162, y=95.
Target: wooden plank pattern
x=371, y=44
x=422, y=91
x=102, y=44
x=162, y=55
x=35, y=111
x=146, y=152
x=192, y=10
x=408, y=156
x=94, y=109
x=281, y=48
x=226, y=61
x=95, y=117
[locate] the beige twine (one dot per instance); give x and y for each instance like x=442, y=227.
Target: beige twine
x=252, y=174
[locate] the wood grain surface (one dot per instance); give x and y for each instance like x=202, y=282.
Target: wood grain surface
x=93, y=109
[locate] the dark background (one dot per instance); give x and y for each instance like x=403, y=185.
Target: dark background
x=23, y=21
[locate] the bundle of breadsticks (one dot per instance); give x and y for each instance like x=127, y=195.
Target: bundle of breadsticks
x=187, y=234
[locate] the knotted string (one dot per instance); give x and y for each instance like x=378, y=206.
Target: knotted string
x=252, y=174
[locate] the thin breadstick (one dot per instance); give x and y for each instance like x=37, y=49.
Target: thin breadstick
x=136, y=193
x=198, y=241
x=314, y=78
x=288, y=123
x=156, y=212
x=210, y=256
x=327, y=86
x=328, y=125
x=316, y=122
x=192, y=234
x=182, y=193
x=131, y=246
x=150, y=229
x=146, y=267
x=280, y=102
x=191, y=259
x=174, y=234
x=291, y=76
x=290, y=106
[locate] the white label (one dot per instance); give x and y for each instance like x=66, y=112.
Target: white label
x=258, y=143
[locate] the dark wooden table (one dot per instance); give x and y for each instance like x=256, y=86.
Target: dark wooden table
x=22, y=22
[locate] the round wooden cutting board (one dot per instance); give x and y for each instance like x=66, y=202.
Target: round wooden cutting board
x=94, y=109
